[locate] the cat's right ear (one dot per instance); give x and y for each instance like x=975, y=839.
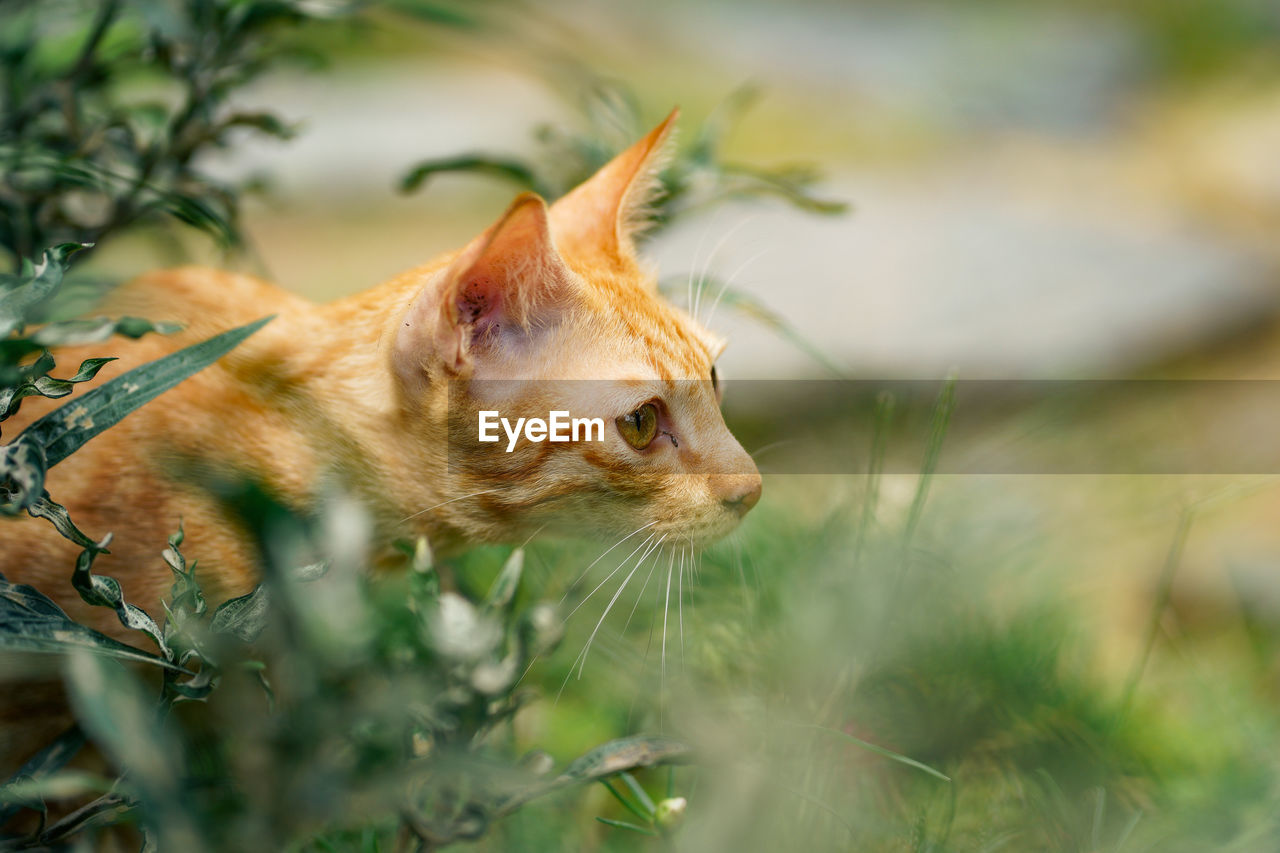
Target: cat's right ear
x=503, y=284
x=603, y=215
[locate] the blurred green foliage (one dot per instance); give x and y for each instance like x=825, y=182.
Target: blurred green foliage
x=695, y=178
x=108, y=106
x=363, y=705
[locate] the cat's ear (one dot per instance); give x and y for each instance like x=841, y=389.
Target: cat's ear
x=603, y=215
x=505, y=282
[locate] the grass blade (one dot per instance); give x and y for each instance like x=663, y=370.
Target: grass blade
x=878, y=750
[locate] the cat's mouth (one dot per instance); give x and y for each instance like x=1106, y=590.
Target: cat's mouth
x=701, y=529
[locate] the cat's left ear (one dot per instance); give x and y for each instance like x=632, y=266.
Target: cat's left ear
x=603, y=215
x=507, y=282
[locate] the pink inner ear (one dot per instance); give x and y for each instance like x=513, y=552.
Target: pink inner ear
x=478, y=302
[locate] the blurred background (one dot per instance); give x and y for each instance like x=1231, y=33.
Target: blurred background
x=1036, y=190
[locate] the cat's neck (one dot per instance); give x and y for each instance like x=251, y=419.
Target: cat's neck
x=310, y=399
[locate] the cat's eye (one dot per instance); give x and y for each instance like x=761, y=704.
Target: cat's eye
x=640, y=427
x=715, y=385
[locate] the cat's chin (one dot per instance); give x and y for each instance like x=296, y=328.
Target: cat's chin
x=711, y=537
x=698, y=536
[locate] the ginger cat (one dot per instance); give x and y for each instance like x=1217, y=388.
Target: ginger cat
x=375, y=393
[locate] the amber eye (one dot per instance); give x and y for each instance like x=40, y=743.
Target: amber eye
x=715, y=385
x=640, y=427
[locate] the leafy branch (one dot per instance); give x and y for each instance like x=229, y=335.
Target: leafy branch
x=697, y=177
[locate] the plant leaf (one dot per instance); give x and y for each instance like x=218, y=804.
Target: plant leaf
x=622, y=824
x=607, y=759
x=33, y=381
x=624, y=754
x=67, y=428
x=125, y=722
x=22, y=470
x=878, y=750
x=76, y=332
x=97, y=590
x=89, y=369
x=505, y=585
x=43, y=764
x=40, y=283
x=513, y=170
x=31, y=622
x=63, y=785
x=243, y=617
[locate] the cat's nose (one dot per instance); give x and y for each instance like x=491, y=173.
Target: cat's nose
x=739, y=492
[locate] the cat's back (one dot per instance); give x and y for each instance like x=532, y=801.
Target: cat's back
x=201, y=299
x=120, y=480
x=200, y=302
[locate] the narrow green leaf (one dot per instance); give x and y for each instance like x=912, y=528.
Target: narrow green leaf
x=48, y=386
x=878, y=750
x=47, y=761
x=72, y=333
x=622, y=824
x=89, y=369
x=22, y=472
x=41, y=283
x=67, y=428
x=55, y=786
x=31, y=622
x=505, y=585
x=32, y=381
x=107, y=810
x=244, y=617
x=513, y=170
x=625, y=754
x=126, y=723
x=640, y=793
x=261, y=121
x=97, y=590
x=634, y=808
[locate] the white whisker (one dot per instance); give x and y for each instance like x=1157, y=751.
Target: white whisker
x=740, y=565
x=697, y=255
x=528, y=667
x=640, y=595
x=666, y=609
x=582, y=663
x=451, y=500
x=711, y=259
x=646, y=541
x=657, y=605
x=605, y=554
x=728, y=281
x=771, y=446
x=531, y=535
x=680, y=607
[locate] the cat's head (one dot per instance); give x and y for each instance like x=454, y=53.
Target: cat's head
x=551, y=310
